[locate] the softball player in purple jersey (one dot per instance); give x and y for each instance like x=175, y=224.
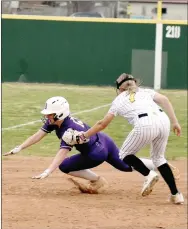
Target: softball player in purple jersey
x=151, y=125
x=93, y=152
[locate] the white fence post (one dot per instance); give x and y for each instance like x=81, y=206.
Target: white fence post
x=158, y=48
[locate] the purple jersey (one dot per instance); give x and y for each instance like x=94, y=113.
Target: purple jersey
x=75, y=124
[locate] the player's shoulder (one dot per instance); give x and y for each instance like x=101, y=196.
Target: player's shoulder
x=116, y=101
x=146, y=90
x=120, y=97
x=74, y=123
x=68, y=122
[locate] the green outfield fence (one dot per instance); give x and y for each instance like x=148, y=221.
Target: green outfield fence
x=91, y=51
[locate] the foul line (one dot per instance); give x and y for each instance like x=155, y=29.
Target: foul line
x=33, y=122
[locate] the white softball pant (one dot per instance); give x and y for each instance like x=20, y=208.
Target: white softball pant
x=156, y=135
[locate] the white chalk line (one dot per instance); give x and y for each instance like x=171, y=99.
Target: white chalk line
x=33, y=122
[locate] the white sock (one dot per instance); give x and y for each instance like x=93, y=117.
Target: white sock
x=148, y=163
x=85, y=174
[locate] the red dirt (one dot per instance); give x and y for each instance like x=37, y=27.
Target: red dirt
x=54, y=203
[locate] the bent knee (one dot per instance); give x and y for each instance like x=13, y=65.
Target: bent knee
x=123, y=154
x=64, y=168
x=158, y=161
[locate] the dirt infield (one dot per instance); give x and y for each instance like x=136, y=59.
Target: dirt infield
x=54, y=203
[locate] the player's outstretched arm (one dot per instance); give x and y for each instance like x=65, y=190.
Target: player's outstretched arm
x=100, y=125
x=58, y=159
x=28, y=142
x=164, y=102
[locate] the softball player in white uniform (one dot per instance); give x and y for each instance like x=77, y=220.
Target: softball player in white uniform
x=150, y=126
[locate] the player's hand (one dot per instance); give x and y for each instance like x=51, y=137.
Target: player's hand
x=176, y=128
x=80, y=138
x=43, y=175
x=17, y=149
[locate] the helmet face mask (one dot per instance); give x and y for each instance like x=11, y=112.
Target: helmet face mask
x=56, y=106
x=51, y=118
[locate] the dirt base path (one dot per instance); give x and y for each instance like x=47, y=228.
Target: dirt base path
x=54, y=203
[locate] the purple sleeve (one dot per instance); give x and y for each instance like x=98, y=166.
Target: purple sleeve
x=47, y=127
x=64, y=145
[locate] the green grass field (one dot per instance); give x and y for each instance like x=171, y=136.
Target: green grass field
x=22, y=103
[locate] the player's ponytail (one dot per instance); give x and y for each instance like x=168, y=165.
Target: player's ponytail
x=131, y=88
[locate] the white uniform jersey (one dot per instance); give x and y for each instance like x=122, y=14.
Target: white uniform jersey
x=151, y=125
x=131, y=105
